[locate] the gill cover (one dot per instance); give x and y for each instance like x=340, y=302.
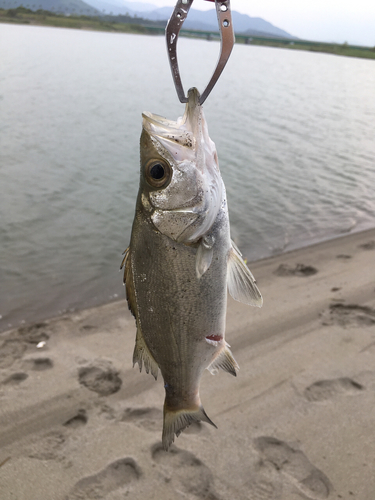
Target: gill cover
x=186, y=202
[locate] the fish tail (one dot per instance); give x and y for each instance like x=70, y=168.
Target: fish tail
x=175, y=421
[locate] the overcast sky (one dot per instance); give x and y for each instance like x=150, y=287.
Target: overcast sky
x=323, y=20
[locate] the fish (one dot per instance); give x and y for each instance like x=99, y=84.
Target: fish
x=181, y=262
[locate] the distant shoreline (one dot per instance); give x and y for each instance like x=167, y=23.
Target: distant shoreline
x=114, y=24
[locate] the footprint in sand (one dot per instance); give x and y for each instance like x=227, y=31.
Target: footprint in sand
x=262, y=490
x=10, y=351
x=87, y=328
x=78, y=420
x=15, y=378
x=33, y=334
x=295, y=466
x=349, y=315
x=101, y=377
x=107, y=412
x=370, y=245
x=51, y=445
x=343, y=256
x=298, y=270
x=185, y=473
x=39, y=364
x=150, y=419
x=48, y=446
x=265, y=483
x=117, y=475
x=328, y=389
x=16, y=343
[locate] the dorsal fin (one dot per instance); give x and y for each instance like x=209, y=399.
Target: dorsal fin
x=129, y=282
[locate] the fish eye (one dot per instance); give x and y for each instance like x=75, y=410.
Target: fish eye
x=158, y=173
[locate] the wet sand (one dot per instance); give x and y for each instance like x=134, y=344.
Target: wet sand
x=78, y=422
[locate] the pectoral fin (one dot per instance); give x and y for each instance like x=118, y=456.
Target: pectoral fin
x=241, y=282
x=143, y=356
x=203, y=258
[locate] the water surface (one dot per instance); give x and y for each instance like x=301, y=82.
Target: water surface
x=294, y=132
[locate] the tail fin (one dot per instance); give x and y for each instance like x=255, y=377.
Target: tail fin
x=176, y=421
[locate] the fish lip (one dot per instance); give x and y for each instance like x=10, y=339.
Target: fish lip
x=153, y=119
x=188, y=122
x=174, y=137
x=170, y=126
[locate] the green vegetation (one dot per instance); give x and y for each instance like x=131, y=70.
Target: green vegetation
x=330, y=48
x=121, y=24
x=128, y=24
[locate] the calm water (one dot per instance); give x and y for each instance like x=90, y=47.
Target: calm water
x=294, y=132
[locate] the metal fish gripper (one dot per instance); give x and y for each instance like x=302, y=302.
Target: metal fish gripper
x=227, y=41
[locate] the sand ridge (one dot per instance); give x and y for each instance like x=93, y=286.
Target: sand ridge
x=77, y=422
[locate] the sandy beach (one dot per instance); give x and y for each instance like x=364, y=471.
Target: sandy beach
x=77, y=422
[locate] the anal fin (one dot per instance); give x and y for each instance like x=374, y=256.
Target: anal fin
x=143, y=356
x=225, y=361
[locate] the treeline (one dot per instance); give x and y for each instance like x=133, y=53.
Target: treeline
x=343, y=49
x=100, y=22
x=22, y=11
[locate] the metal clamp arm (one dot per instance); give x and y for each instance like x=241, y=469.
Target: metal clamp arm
x=227, y=41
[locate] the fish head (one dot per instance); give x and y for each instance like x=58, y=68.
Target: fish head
x=181, y=186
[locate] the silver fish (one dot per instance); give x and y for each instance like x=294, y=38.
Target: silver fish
x=180, y=262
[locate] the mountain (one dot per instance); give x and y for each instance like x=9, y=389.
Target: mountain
x=244, y=24
x=197, y=19
x=58, y=6
x=136, y=6
x=115, y=7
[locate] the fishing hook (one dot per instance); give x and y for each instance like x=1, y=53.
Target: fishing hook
x=227, y=41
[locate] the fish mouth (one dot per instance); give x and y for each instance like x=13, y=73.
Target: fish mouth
x=183, y=138
x=173, y=137
x=159, y=125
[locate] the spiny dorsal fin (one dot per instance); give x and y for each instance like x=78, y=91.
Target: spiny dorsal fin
x=128, y=282
x=125, y=253
x=225, y=361
x=241, y=282
x=142, y=355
